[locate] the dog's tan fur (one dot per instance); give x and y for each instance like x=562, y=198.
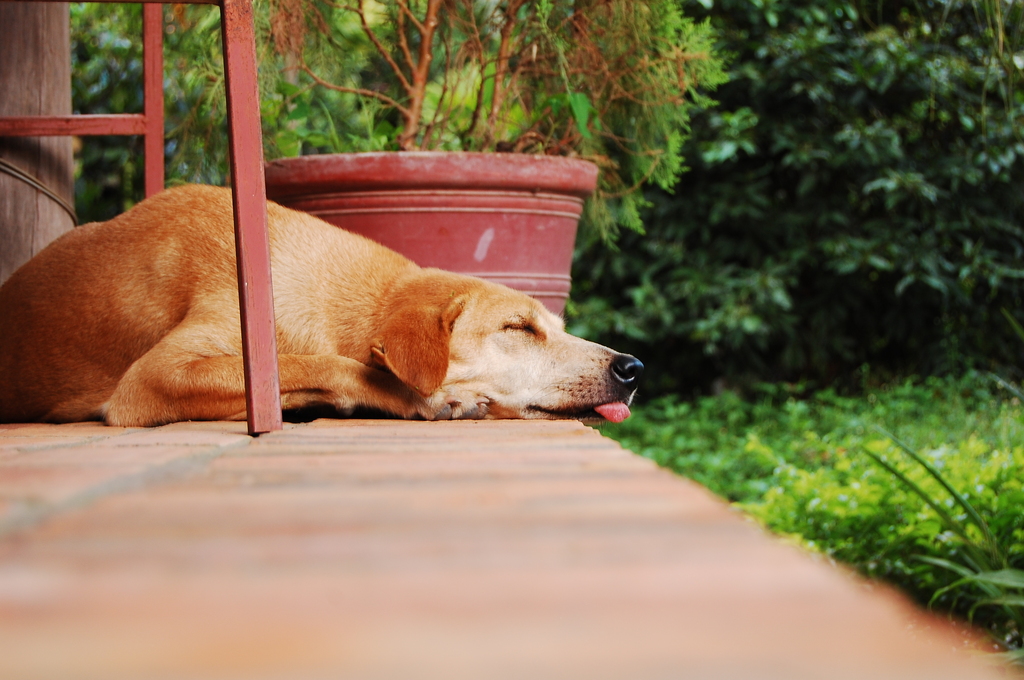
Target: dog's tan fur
x=135, y=321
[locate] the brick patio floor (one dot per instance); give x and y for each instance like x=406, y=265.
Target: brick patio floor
x=390, y=549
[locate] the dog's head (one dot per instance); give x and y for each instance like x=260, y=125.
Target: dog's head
x=475, y=349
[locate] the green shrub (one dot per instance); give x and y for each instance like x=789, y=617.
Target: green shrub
x=854, y=198
x=733, y=444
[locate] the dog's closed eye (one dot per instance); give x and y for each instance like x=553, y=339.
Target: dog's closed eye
x=521, y=325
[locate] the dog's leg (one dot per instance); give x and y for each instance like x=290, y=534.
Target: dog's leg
x=171, y=383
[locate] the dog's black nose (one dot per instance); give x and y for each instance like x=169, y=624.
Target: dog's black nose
x=627, y=369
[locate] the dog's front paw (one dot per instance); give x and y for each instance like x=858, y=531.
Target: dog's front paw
x=471, y=410
x=444, y=413
x=450, y=408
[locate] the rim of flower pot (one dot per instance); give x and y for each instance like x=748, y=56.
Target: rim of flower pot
x=389, y=170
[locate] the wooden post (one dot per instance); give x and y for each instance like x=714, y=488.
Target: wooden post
x=252, y=245
x=35, y=79
x=153, y=95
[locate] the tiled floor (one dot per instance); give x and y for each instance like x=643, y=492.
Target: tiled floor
x=389, y=549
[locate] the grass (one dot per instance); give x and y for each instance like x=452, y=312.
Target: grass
x=934, y=507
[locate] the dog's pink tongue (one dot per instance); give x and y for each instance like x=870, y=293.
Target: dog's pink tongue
x=616, y=412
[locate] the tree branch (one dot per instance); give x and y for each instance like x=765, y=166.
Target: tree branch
x=501, y=65
x=479, y=49
x=354, y=90
x=380, y=47
x=419, y=77
x=403, y=40
x=404, y=7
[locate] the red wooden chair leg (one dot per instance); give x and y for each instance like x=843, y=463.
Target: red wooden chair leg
x=252, y=242
x=153, y=94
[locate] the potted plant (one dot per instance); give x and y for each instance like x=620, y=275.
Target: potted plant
x=545, y=103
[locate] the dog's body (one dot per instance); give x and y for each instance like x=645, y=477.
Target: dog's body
x=135, y=321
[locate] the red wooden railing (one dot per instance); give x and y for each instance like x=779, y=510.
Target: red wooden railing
x=252, y=243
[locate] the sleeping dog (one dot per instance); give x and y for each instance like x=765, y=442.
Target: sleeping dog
x=135, y=322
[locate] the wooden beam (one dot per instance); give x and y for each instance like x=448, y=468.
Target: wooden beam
x=63, y=126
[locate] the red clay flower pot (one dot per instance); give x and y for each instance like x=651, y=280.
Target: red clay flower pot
x=509, y=218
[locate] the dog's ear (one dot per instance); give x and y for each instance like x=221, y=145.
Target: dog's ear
x=414, y=338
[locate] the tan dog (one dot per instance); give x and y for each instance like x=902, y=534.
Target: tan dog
x=135, y=321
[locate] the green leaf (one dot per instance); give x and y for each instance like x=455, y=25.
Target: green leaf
x=288, y=89
x=1007, y=600
x=946, y=564
x=299, y=112
x=488, y=81
x=1008, y=386
x=581, y=108
x=1013, y=323
x=1010, y=578
x=288, y=142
